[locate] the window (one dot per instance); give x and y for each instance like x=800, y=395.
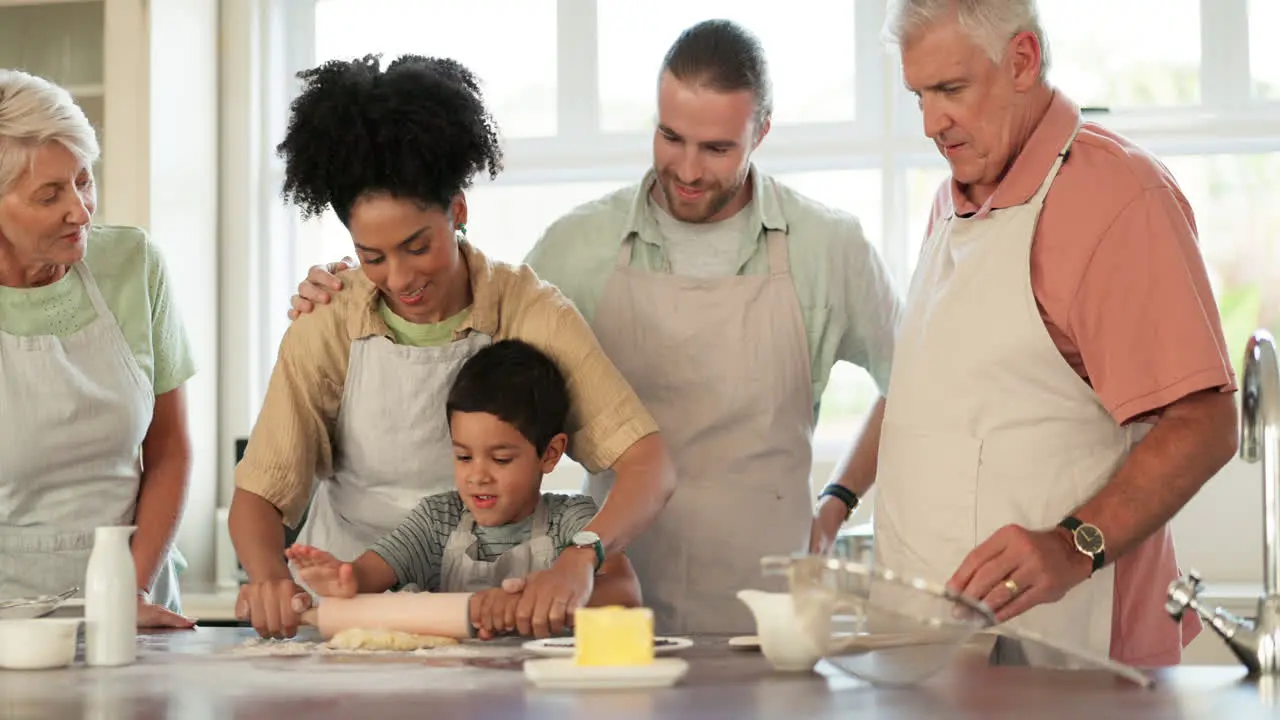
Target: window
x=1232, y=197
x=1106, y=53
x=1264, y=53
x=797, y=37
x=1201, y=93
x=515, y=58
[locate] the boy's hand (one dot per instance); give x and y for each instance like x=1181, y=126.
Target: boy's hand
x=493, y=611
x=326, y=575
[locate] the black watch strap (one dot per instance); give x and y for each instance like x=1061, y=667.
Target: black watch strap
x=842, y=493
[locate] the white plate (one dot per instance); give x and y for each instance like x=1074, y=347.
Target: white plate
x=563, y=647
x=564, y=674
x=745, y=642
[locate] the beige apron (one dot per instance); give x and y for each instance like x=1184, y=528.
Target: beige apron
x=392, y=447
x=462, y=572
x=723, y=365
x=73, y=413
x=986, y=424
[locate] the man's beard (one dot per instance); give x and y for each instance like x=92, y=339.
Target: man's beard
x=712, y=201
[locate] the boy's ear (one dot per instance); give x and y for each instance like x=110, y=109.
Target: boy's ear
x=553, y=453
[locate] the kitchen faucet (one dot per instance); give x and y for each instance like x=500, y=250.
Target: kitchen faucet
x=1257, y=643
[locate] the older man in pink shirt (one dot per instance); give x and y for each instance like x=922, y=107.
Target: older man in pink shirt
x=1060, y=386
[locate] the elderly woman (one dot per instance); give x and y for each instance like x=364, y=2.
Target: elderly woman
x=93, y=357
x=357, y=395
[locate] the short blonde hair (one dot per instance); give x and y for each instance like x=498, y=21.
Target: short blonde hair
x=34, y=111
x=989, y=23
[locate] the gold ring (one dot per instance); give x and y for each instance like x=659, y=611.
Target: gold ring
x=1013, y=586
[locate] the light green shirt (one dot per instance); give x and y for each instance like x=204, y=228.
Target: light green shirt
x=847, y=297
x=421, y=334
x=130, y=273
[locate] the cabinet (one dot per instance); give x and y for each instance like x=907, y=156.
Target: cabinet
x=146, y=74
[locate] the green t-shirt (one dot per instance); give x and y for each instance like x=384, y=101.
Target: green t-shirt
x=421, y=334
x=130, y=273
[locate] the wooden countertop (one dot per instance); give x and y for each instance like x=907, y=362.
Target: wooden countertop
x=198, y=673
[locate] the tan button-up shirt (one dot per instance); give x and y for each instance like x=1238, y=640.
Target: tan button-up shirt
x=292, y=441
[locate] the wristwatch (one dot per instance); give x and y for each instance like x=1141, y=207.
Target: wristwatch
x=844, y=495
x=587, y=539
x=1088, y=540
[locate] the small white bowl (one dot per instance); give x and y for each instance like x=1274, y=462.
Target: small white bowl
x=39, y=643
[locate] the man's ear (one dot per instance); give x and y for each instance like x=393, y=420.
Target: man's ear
x=555, y=450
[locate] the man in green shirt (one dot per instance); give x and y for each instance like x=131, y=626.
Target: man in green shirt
x=725, y=298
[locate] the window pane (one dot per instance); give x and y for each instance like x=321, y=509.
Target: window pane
x=854, y=191
x=1264, y=53
x=1107, y=53
x=1233, y=199
x=515, y=59
x=504, y=221
x=634, y=37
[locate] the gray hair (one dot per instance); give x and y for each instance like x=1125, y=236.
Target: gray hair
x=990, y=23
x=34, y=111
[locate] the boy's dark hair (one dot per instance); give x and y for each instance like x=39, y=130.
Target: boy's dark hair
x=418, y=130
x=723, y=56
x=518, y=384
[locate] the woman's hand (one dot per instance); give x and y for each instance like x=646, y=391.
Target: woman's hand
x=326, y=575
x=154, y=616
x=272, y=606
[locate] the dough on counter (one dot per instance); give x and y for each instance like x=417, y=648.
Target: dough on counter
x=361, y=639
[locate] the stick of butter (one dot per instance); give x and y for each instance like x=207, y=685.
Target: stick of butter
x=613, y=636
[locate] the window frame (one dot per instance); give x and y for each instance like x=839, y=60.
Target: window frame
x=885, y=133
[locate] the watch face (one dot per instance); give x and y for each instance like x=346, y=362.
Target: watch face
x=585, y=537
x=1089, y=539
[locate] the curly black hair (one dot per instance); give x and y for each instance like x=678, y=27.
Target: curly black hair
x=418, y=130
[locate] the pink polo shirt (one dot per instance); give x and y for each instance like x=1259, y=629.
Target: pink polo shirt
x=1123, y=290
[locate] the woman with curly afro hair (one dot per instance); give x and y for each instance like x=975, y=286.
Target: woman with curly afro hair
x=353, y=429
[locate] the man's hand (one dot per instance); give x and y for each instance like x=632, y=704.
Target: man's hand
x=827, y=521
x=154, y=616
x=1017, y=569
x=326, y=575
x=315, y=290
x=272, y=606
x=493, y=612
x=551, y=596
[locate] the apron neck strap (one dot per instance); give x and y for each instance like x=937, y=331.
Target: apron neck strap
x=624, y=252
x=776, y=243
x=1052, y=175
x=91, y=287
x=539, y=528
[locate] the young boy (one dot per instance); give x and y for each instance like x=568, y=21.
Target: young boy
x=507, y=411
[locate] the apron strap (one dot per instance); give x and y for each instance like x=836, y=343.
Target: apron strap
x=91, y=287
x=1052, y=175
x=462, y=534
x=539, y=528
x=776, y=241
x=624, y=252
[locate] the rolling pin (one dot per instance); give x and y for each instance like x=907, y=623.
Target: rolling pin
x=443, y=614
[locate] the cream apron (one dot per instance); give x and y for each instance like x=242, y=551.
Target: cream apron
x=73, y=413
x=723, y=366
x=986, y=424
x=392, y=446
x=462, y=572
